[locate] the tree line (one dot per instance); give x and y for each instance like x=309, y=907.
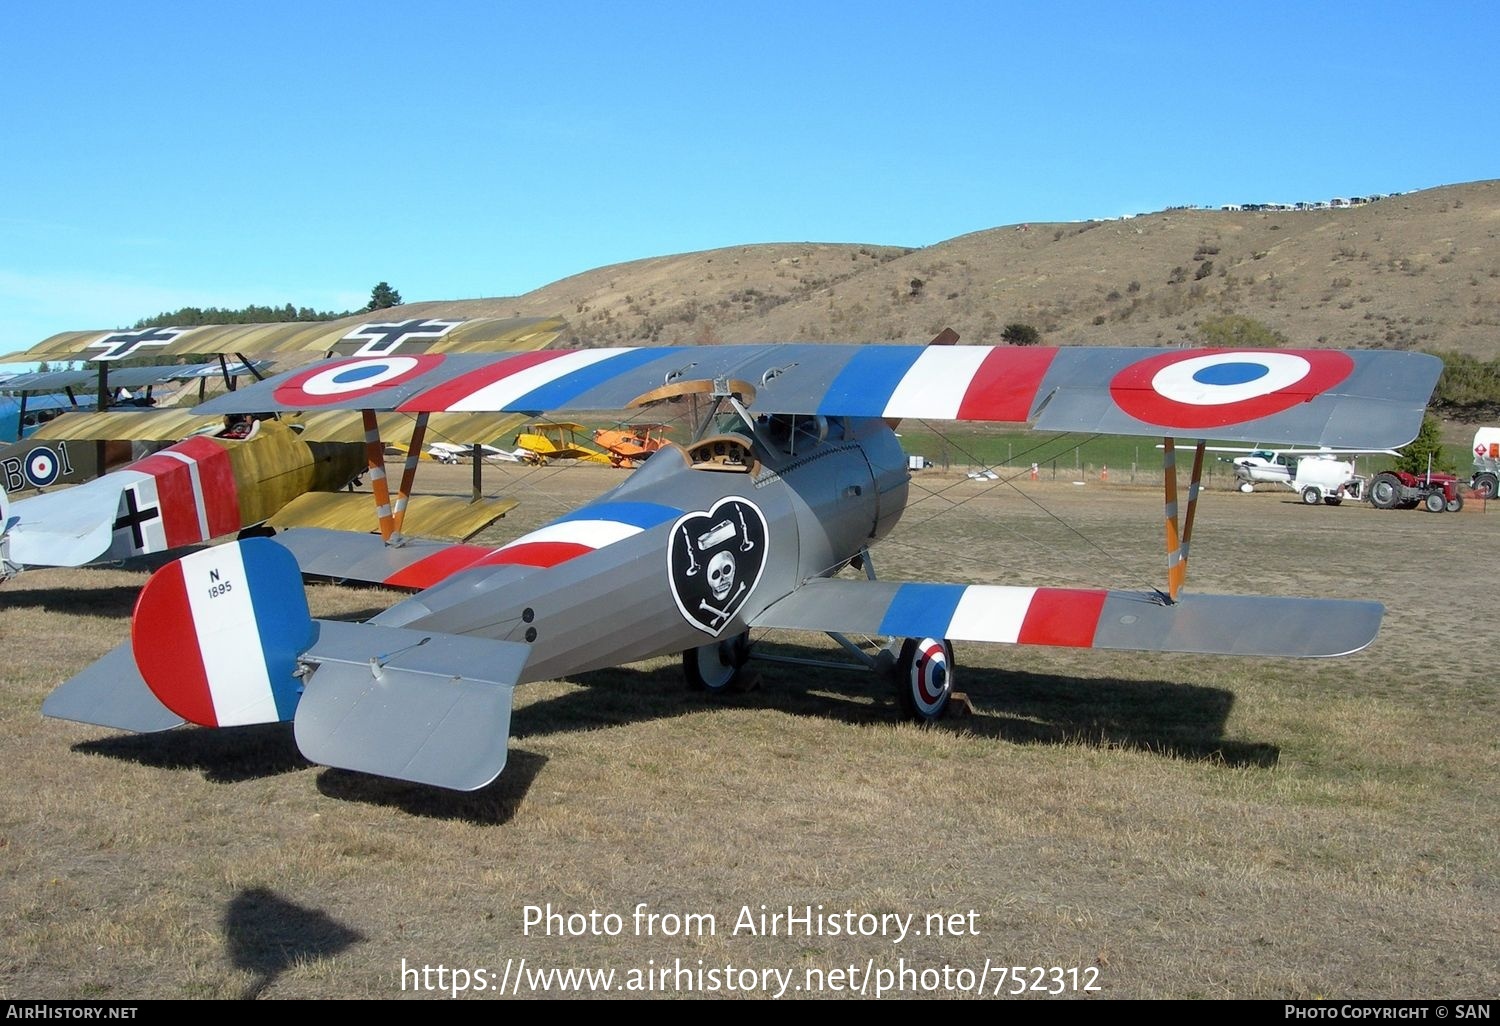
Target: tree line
x=382, y=297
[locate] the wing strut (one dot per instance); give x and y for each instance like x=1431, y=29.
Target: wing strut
x=409, y=472
x=1178, y=543
x=250, y=366
x=375, y=461
x=229, y=381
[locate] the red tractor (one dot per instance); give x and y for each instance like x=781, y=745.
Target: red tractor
x=1396, y=489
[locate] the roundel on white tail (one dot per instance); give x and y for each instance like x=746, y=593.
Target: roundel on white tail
x=1213, y=389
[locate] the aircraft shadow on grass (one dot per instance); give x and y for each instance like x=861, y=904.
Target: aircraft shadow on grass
x=228, y=755
x=111, y=601
x=1170, y=719
x=265, y=935
x=238, y=754
x=491, y=805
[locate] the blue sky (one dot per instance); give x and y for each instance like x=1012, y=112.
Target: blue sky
x=163, y=154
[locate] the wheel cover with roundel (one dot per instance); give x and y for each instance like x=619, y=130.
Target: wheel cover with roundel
x=929, y=677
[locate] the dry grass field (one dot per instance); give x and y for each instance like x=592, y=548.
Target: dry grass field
x=1191, y=827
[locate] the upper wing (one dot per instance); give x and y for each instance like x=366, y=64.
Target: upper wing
x=1321, y=397
x=123, y=377
x=1081, y=618
x=171, y=425
x=373, y=336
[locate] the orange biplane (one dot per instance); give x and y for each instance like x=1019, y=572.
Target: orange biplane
x=628, y=445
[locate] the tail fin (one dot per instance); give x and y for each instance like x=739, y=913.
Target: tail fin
x=216, y=635
x=223, y=638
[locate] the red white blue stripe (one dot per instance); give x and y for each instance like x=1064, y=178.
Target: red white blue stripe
x=1006, y=615
x=216, y=634
x=576, y=534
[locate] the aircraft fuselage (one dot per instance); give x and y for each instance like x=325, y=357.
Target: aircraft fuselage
x=729, y=540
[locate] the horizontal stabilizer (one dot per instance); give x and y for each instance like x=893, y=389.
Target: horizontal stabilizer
x=69, y=527
x=1081, y=618
x=216, y=634
x=111, y=693
x=413, y=705
x=443, y=517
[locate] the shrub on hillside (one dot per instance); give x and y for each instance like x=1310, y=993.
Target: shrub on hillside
x=1236, y=331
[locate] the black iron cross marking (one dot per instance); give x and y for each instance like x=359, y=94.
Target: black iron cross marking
x=121, y=344
x=136, y=519
x=384, y=339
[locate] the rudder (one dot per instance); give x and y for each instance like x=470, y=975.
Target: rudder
x=216, y=634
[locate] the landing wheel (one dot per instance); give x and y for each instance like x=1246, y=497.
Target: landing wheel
x=924, y=678
x=717, y=668
x=1246, y=487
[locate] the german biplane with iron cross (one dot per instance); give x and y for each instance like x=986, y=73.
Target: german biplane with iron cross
x=793, y=472
x=170, y=479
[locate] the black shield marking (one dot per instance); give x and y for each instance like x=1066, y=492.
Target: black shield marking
x=714, y=561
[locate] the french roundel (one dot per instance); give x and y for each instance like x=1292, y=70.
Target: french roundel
x=1213, y=388
x=930, y=673
x=42, y=467
x=345, y=380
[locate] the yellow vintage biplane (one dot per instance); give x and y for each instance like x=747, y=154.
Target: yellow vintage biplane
x=171, y=478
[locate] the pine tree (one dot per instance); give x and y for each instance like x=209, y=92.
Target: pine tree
x=383, y=297
x=1429, y=442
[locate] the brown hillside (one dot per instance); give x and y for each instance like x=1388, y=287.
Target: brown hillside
x=1415, y=271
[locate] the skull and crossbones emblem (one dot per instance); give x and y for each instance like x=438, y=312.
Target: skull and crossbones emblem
x=715, y=558
x=721, y=575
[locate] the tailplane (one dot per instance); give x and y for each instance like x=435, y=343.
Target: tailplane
x=223, y=638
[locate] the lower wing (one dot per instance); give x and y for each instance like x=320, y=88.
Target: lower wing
x=1081, y=618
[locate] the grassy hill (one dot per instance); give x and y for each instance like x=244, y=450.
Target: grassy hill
x=1420, y=270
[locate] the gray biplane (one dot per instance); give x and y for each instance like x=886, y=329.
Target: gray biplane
x=793, y=471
